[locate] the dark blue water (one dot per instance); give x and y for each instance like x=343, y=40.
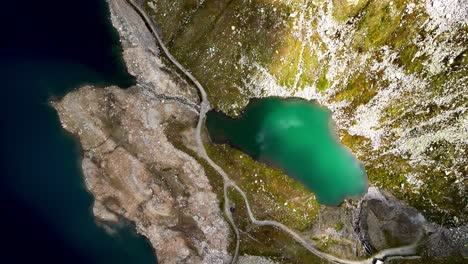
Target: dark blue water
x=48, y=48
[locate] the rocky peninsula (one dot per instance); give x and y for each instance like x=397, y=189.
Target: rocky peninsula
x=142, y=162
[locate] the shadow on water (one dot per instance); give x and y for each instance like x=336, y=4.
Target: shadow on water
x=49, y=48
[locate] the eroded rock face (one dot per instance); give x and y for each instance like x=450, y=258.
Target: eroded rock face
x=386, y=222
x=134, y=171
x=445, y=245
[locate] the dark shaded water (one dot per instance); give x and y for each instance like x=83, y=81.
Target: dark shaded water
x=296, y=136
x=47, y=49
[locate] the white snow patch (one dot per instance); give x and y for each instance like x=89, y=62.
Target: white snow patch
x=414, y=181
x=457, y=133
x=367, y=118
x=448, y=13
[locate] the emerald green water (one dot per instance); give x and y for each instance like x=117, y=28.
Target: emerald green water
x=296, y=136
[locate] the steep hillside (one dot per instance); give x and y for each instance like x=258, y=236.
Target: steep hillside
x=393, y=73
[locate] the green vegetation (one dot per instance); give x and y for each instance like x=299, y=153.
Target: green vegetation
x=323, y=82
x=215, y=42
x=338, y=226
x=223, y=42
x=324, y=243
x=407, y=58
x=286, y=66
x=380, y=20
x=345, y=9
x=359, y=90
x=268, y=241
x=267, y=196
x=273, y=195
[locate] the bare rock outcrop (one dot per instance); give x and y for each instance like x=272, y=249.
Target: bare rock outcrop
x=386, y=222
x=129, y=164
x=133, y=171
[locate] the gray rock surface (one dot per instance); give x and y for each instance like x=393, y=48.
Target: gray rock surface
x=129, y=164
x=133, y=171
x=386, y=222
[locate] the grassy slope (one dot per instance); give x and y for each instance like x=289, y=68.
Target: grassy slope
x=227, y=44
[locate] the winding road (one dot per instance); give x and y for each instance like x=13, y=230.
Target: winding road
x=406, y=251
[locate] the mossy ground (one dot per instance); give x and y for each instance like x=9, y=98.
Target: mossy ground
x=268, y=241
x=212, y=39
x=273, y=196
x=219, y=40
x=345, y=9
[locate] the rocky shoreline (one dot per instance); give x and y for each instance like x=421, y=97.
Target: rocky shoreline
x=128, y=163
x=134, y=171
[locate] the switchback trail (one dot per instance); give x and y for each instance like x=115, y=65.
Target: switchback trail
x=228, y=183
